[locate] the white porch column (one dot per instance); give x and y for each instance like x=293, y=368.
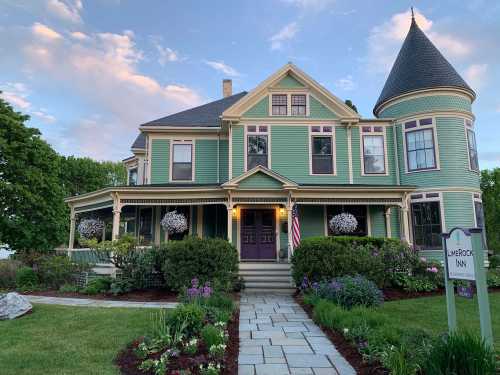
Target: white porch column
x=405, y=221
x=289, y=229
x=72, y=224
x=230, y=224
x=388, y=229
x=199, y=221
x=116, y=223
x=157, y=224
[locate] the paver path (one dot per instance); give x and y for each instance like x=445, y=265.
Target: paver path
x=277, y=337
x=86, y=302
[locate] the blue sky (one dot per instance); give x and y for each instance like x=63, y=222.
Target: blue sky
x=89, y=72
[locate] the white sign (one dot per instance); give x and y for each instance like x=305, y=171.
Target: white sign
x=459, y=256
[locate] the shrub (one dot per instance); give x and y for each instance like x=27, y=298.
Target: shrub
x=378, y=259
x=98, y=285
x=69, y=288
x=350, y=291
x=212, y=335
x=190, y=315
x=8, y=269
x=493, y=278
x=26, y=278
x=494, y=261
x=209, y=259
x=460, y=353
x=54, y=271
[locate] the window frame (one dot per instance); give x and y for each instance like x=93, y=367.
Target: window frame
x=257, y=131
x=322, y=133
x=372, y=132
x=423, y=198
x=469, y=127
x=287, y=109
x=298, y=105
x=477, y=198
x=173, y=143
x=418, y=127
x=289, y=94
x=129, y=170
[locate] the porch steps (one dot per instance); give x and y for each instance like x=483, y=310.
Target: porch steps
x=267, y=277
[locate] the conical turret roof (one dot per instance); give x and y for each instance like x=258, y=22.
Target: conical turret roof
x=419, y=66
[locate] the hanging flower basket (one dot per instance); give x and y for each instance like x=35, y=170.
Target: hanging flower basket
x=90, y=228
x=174, y=222
x=343, y=223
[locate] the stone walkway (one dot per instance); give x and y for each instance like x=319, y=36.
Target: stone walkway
x=277, y=337
x=86, y=302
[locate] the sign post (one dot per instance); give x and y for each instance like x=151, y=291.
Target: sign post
x=464, y=260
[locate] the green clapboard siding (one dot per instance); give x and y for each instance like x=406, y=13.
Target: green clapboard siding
x=288, y=83
x=316, y=110
x=238, y=135
x=223, y=160
x=453, y=157
x=377, y=221
x=290, y=154
x=395, y=223
x=357, y=156
x=160, y=152
x=260, y=181
x=206, y=161
x=458, y=210
x=312, y=221
x=426, y=104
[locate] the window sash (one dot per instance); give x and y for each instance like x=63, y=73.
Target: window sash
x=322, y=157
x=426, y=218
x=471, y=143
x=279, y=104
x=182, y=162
x=420, y=149
x=132, y=177
x=298, y=105
x=257, y=151
x=374, y=154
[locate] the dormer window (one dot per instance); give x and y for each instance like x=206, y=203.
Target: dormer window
x=298, y=105
x=279, y=104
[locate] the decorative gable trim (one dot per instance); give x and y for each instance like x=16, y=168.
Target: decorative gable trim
x=234, y=183
x=336, y=105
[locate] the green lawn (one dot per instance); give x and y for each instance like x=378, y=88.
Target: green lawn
x=69, y=340
x=430, y=313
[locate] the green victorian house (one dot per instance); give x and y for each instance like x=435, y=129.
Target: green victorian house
x=237, y=167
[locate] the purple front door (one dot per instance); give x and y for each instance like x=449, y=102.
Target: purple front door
x=258, y=234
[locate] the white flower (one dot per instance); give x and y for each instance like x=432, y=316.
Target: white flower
x=346, y=331
x=173, y=222
x=343, y=223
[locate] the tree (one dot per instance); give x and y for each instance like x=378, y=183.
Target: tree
x=349, y=103
x=490, y=188
x=33, y=213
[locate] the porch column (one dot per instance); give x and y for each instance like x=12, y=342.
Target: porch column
x=388, y=229
x=116, y=223
x=72, y=224
x=230, y=224
x=405, y=220
x=157, y=216
x=289, y=229
x=199, y=221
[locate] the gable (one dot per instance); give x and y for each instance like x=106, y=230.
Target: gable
x=289, y=82
x=260, y=180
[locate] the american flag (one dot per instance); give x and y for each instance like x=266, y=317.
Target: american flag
x=295, y=227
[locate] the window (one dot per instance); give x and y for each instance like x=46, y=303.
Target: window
x=322, y=156
x=298, y=105
x=279, y=105
x=358, y=211
x=420, y=149
x=182, y=162
x=426, y=218
x=132, y=176
x=471, y=142
x=373, y=154
x=479, y=212
x=256, y=150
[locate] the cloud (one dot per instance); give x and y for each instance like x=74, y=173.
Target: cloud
x=44, y=116
x=44, y=32
x=386, y=39
x=166, y=54
x=222, y=67
x=16, y=94
x=311, y=4
x=66, y=10
x=288, y=32
x=346, y=83
x=79, y=35
x=475, y=75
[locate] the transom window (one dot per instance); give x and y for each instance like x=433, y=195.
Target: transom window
x=182, y=162
x=279, y=104
x=257, y=146
x=358, y=211
x=471, y=144
x=420, y=149
x=132, y=176
x=426, y=218
x=298, y=105
x=373, y=150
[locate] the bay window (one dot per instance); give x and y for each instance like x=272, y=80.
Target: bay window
x=426, y=217
x=471, y=143
x=182, y=162
x=420, y=149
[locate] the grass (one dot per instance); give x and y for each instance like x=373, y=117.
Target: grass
x=430, y=313
x=69, y=340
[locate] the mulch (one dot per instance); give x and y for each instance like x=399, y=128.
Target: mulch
x=348, y=350
x=150, y=295
x=129, y=363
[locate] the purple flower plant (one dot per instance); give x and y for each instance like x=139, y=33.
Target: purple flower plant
x=197, y=291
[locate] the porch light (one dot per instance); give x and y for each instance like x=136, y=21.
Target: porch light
x=282, y=212
x=235, y=212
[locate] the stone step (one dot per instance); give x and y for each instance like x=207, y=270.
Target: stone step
x=264, y=266
x=268, y=284
x=287, y=291
x=264, y=273
x=267, y=278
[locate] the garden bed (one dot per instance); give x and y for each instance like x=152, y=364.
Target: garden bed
x=129, y=363
x=150, y=295
x=348, y=350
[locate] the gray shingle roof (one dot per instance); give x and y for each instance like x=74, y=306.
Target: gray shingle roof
x=206, y=115
x=419, y=65
x=140, y=141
